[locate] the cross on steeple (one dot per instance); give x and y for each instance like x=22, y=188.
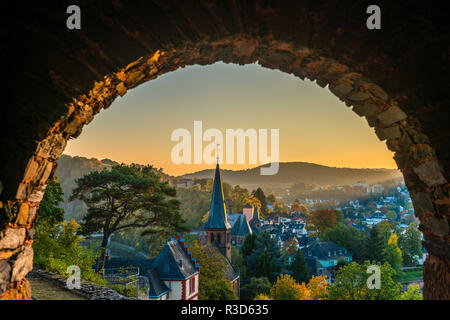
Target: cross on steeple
x=217, y=152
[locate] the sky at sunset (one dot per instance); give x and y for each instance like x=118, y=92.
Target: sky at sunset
x=314, y=125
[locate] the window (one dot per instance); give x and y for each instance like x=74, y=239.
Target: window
x=192, y=285
x=340, y=251
x=166, y=267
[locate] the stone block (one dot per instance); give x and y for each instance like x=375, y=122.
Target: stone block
x=342, y=90
x=403, y=160
x=422, y=203
x=22, y=217
x=22, y=264
x=366, y=110
x=12, y=238
x=37, y=193
x=121, y=89
x=378, y=92
x=392, y=132
x=5, y=275
x=391, y=115
x=437, y=226
x=430, y=172
x=359, y=96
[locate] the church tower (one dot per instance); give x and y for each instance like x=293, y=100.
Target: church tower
x=217, y=228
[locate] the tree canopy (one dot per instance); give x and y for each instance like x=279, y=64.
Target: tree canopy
x=125, y=197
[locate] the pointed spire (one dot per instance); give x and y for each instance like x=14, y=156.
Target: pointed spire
x=217, y=212
x=255, y=218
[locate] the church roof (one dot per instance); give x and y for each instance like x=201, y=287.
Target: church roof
x=255, y=218
x=241, y=226
x=173, y=263
x=217, y=212
x=157, y=286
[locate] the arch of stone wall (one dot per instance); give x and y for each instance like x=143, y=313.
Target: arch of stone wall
x=414, y=154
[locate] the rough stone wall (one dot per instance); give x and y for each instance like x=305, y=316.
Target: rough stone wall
x=60, y=79
x=87, y=290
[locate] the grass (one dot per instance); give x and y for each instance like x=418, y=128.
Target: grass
x=45, y=290
x=410, y=275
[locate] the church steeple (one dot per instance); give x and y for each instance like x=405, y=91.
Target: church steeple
x=217, y=211
x=217, y=228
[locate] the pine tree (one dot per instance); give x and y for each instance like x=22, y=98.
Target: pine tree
x=259, y=194
x=375, y=246
x=264, y=243
x=299, y=268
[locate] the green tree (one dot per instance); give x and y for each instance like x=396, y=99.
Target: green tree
x=265, y=260
x=213, y=284
x=259, y=194
x=49, y=213
x=385, y=229
x=56, y=243
x=255, y=287
x=412, y=293
x=393, y=254
x=391, y=215
x=285, y=288
x=299, y=268
x=348, y=237
x=323, y=219
x=248, y=246
x=127, y=197
x=375, y=246
x=410, y=243
x=351, y=283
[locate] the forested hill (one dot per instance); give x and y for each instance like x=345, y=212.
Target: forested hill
x=295, y=172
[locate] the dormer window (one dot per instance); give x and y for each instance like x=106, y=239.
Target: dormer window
x=335, y=253
x=166, y=267
x=329, y=253
x=340, y=251
x=309, y=253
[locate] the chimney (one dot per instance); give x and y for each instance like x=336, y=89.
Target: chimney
x=190, y=255
x=186, y=248
x=182, y=241
x=197, y=266
x=178, y=237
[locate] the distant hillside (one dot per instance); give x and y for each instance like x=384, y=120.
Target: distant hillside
x=71, y=168
x=295, y=172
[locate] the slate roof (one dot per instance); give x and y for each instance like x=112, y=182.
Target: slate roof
x=168, y=262
x=377, y=215
x=241, y=226
x=321, y=249
x=142, y=263
x=157, y=286
x=217, y=211
x=232, y=218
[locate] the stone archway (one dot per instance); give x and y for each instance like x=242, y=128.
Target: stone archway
x=29, y=156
